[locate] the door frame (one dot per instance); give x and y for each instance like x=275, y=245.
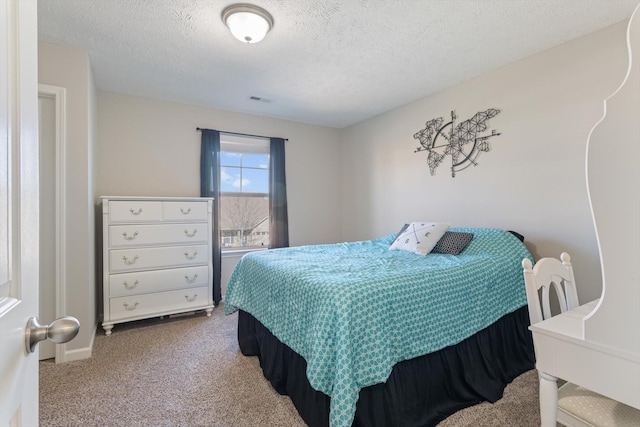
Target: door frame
x=59, y=95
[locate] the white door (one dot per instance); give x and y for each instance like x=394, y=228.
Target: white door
x=18, y=210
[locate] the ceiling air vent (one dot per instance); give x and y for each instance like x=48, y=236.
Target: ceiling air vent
x=260, y=99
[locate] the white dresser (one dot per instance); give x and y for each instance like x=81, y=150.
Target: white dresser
x=156, y=257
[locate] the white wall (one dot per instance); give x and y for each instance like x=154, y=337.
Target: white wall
x=151, y=148
x=533, y=179
x=69, y=68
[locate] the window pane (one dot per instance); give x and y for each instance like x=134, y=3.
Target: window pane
x=255, y=161
x=244, y=222
x=255, y=181
x=230, y=159
x=244, y=169
x=230, y=179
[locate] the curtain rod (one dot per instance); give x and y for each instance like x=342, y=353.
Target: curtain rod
x=241, y=134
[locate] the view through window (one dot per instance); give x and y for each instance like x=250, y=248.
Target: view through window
x=244, y=192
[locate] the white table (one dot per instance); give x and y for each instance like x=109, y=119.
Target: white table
x=563, y=352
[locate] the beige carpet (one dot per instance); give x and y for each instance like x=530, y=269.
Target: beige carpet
x=189, y=372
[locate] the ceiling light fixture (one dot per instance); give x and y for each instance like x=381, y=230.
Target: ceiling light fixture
x=248, y=23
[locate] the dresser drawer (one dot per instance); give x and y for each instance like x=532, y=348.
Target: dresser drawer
x=154, y=234
x=157, y=303
x=157, y=280
x=164, y=257
x=135, y=211
x=185, y=211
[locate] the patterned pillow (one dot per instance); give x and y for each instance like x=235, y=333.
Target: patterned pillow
x=452, y=243
x=419, y=237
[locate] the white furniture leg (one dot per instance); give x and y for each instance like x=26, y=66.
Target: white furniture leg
x=107, y=329
x=548, y=399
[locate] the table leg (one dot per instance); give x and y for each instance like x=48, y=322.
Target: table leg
x=548, y=399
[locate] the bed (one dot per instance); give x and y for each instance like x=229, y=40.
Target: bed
x=357, y=334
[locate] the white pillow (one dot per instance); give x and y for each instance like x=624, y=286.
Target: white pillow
x=419, y=237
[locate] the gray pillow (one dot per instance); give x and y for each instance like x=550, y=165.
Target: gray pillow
x=404, y=227
x=452, y=243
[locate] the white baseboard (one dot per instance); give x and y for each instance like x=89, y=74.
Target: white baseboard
x=79, y=353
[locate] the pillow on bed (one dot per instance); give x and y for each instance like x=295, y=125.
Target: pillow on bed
x=404, y=227
x=518, y=235
x=419, y=237
x=452, y=243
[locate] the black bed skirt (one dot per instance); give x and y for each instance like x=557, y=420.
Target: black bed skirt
x=419, y=392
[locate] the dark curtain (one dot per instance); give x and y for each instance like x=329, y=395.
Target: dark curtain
x=210, y=187
x=278, y=218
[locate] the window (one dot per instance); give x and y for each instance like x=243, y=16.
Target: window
x=244, y=192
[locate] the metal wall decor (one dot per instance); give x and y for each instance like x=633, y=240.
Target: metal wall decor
x=462, y=142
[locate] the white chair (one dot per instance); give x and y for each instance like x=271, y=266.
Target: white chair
x=577, y=406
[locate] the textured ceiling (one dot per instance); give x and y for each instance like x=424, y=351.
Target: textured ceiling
x=325, y=62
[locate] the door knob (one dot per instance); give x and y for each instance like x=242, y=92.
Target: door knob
x=61, y=330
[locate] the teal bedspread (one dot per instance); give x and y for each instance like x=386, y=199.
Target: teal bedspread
x=354, y=310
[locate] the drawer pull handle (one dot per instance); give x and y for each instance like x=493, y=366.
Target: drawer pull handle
x=135, y=212
x=130, y=286
x=185, y=211
x=130, y=307
x=192, y=256
x=193, y=279
x=130, y=237
x=191, y=299
x=130, y=261
x=186, y=232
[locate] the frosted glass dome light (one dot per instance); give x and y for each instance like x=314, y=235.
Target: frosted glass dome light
x=247, y=23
